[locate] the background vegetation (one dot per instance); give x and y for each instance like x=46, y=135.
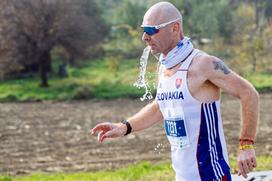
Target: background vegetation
x=73, y=44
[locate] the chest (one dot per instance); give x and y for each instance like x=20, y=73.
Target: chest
x=190, y=83
x=178, y=78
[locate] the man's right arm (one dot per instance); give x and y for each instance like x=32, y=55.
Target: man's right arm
x=145, y=118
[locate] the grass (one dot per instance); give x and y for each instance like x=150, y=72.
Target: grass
x=97, y=79
x=261, y=81
x=144, y=171
x=107, y=78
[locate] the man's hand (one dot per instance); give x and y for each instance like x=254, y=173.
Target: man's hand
x=108, y=130
x=246, y=162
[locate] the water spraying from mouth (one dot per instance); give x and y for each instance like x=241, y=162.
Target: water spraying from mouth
x=141, y=82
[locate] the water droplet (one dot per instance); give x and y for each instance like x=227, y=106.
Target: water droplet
x=159, y=148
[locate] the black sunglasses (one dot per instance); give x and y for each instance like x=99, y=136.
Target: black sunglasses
x=152, y=30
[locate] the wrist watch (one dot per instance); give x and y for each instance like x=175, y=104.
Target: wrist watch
x=128, y=126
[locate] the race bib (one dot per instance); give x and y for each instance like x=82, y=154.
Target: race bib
x=177, y=133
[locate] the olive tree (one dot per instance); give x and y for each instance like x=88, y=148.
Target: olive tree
x=35, y=27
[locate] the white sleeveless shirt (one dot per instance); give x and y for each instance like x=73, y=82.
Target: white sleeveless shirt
x=194, y=129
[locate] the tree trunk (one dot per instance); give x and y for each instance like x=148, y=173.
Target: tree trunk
x=71, y=60
x=45, y=68
x=254, y=63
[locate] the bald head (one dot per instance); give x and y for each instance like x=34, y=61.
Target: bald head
x=161, y=12
x=170, y=32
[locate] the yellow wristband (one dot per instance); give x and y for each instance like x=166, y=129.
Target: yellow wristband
x=246, y=147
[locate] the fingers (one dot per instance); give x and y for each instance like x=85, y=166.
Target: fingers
x=104, y=136
x=251, y=164
x=97, y=128
x=113, y=133
x=246, y=162
x=242, y=169
x=100, y=137
x=245, y=167
x=254, y=162
x=106, y=130
x=101, y=127
x=108, y=134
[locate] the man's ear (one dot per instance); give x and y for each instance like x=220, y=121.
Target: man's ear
x=176, y=27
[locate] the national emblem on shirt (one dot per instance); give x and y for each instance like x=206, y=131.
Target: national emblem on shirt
x=178, y=82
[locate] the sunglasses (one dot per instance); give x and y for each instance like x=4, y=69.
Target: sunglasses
x=152, y=30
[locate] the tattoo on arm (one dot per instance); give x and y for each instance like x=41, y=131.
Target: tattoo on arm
x=219, y=65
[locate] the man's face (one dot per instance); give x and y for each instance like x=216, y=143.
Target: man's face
x=160, y=37
x=157, y=42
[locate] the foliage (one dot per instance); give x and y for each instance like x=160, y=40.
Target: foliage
x=89, y=81
x=268, y=12
x=129, y=13
x=35, y=27
x=202, y=24
x=250, y=43
x=125, y=35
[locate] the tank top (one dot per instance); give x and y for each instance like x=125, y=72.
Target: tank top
x=194, y=129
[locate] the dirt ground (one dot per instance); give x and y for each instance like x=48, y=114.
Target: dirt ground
x=54, y=136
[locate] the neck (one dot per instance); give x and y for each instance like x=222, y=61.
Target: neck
x=172, y=45
x=183, y=48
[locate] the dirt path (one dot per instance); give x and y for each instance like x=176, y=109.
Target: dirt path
x=53, y=137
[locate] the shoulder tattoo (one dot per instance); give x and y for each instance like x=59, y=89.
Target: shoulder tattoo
x=219, y=65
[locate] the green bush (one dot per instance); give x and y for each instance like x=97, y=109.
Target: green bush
x=83, y=92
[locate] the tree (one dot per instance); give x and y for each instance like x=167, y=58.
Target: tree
x=247, y=43
x=268, y=10
x=206, y=19
x=125, y=36
x=36, y=26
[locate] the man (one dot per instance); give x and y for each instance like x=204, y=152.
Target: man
x=187, y=100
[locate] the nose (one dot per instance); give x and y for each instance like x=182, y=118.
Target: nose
x=146, y=37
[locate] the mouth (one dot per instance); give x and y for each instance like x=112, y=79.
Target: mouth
x=152, y=47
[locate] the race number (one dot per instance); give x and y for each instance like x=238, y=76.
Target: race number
x=176, y=133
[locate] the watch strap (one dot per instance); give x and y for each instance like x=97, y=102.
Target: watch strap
x=128, y=126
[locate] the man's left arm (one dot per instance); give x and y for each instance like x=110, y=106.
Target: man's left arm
x=220, y=75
